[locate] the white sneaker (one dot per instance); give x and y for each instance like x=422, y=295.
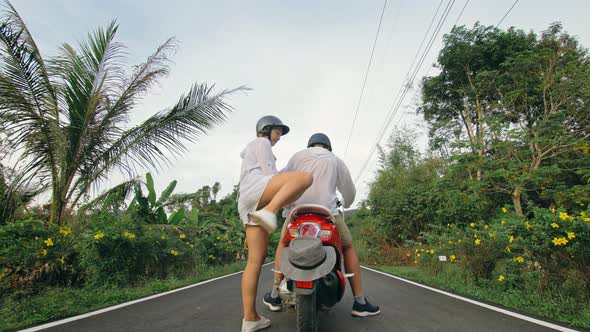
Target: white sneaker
x=266, y=219
x=251, y=326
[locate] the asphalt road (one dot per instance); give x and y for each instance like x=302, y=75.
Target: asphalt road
x=216, y=306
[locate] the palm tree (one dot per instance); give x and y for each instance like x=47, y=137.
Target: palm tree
x=66, y=117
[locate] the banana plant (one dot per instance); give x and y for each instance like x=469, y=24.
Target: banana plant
x=200, y=224
x=151, y=208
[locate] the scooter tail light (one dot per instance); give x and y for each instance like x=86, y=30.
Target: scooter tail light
x=309, y=229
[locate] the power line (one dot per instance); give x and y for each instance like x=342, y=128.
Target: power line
x=461, y=13
x=407, y=84
x=365, y=80
x=508, y=12
x=380, y=135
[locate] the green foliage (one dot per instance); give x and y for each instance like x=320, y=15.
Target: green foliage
x=34, y=253
x=151, y=211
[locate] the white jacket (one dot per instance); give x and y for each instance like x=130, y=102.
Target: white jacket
x=258, y=167
x=329, y=174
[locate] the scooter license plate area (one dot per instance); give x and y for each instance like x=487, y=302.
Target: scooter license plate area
x=304, y=284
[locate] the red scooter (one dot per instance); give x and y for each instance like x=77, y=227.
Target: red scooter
x=312, y=263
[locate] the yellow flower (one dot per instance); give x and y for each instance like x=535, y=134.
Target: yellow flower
x=452, y=258
x=501, y=278
x=459, y=241
x=43, y=252
x=503, y=222
x=504, y=210
x=163, y=237
x=432, y=251
x=571, y=235
x=422, y=250
x=553, y=210
x=418, y=255
x=527, y=225
x=450, y=242
x=472, y=224
x=174, y=252
x=415, y=250
x=182, y=236
x=511, y=239
x=486, y=227
x=562, y=241
x=98, y=235
x=408, y=255
x=475, y=235
x=507, y=249
x=48, y=242
x=129, y=235
x=519, y=259
x=61, y=260
x=492, y=235
x=563, y=215
x=65, y=231
x=555, y=225
x=477, y=242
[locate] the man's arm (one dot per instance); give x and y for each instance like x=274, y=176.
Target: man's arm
x=345, y=185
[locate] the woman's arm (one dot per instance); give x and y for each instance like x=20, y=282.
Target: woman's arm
x=264, y=156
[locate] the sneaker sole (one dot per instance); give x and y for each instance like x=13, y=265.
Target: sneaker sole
x=261, y=223
x=272, y=307
x=364, y=313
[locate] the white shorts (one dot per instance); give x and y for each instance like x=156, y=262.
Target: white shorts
x=250, y=197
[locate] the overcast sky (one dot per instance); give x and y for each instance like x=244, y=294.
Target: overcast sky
x=304, y=61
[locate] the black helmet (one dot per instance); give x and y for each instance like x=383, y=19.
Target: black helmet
x=266, y=123
x=319, y=138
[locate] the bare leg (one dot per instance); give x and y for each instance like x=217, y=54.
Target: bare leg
x=257, y=240
x=279, y=276
x=283, y=189
x=352, y=265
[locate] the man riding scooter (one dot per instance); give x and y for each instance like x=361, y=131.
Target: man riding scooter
x=330, y=174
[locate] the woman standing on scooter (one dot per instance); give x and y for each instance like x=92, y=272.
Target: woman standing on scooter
x=262, y=193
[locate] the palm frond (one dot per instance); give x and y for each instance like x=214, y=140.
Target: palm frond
x=27, y=101
x=114, y=196
x=89, y=77
x=108, y=130
x=146, y=144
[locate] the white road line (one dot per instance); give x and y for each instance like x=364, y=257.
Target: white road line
x=118, y=306
x=487, y=306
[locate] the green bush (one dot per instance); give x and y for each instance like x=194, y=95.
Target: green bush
x=121, y=252
x=35, y=253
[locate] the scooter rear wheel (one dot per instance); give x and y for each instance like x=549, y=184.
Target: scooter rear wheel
x=307, y=313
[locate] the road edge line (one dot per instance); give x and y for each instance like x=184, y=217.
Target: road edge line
x=121, y=305
x=484, y=305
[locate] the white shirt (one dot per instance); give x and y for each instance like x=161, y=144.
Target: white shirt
x=258, y=167
x=329, y=173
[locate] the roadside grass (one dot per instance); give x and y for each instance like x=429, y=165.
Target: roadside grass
x=20, y=310
x=526, y=298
